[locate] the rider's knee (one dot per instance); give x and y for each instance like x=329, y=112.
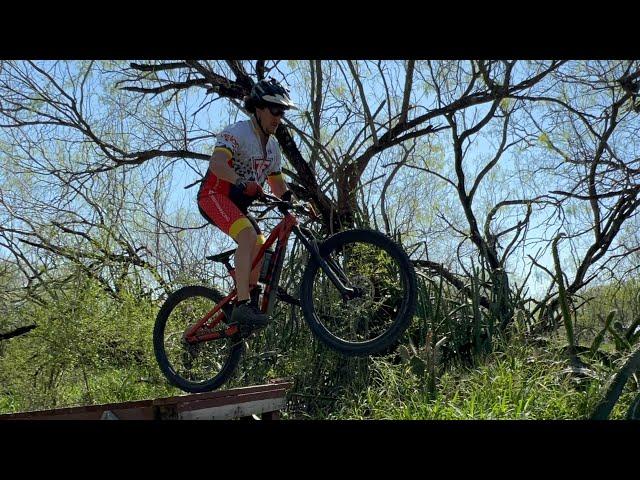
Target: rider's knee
x=247, y=236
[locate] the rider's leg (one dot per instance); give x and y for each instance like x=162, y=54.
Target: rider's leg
x=255, y=273
x=246, y=239
x=254, y=289
x=222, y=212
x=260, y=240
x=244, y=312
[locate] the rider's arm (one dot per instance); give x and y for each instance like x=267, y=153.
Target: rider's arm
x=275, y=178
x=277, y=184
x=219, y=165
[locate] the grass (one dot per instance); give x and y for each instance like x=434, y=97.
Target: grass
x=89, y=349
x=519, y=383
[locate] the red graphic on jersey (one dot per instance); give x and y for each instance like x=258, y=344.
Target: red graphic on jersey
x=232, y=140
x=259, y=166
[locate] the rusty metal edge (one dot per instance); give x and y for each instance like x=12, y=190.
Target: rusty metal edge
x=160, y=407
x=216, y=402
x=234, y=392
x=80, y=410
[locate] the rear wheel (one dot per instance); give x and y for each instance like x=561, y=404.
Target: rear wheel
x=384, y=280
x=198, y=367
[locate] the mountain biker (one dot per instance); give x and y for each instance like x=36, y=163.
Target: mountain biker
x=246, y=153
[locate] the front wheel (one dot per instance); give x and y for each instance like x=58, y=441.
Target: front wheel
x=193, y=367
x=380, y=272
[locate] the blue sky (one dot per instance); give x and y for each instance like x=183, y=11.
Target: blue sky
x=217, y=115
x=483, y=148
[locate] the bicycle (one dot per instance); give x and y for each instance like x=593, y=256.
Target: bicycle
x=357, y=295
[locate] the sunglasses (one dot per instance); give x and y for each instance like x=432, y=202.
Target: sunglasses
x=276, y=111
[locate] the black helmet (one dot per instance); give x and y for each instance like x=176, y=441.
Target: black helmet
x=270, y=91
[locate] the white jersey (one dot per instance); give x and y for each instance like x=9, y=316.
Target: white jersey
x=248, y=158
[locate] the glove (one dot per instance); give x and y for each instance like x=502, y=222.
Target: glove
x=250, y=189
x=253, y=189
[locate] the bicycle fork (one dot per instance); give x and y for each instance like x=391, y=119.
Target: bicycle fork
x=328, y=266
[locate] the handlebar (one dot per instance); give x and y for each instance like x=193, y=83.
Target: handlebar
x=284, y=206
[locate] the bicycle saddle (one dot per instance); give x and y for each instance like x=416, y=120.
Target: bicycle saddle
x=221, y=257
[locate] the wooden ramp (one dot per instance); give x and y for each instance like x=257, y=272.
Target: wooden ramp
x=262, y=401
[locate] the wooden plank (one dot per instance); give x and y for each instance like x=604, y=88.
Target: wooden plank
x=174, y=407
x=215, y=402
x=121, y=414
x=228, y=412
x=244, y=401
x=233, y=393
x=139, y=409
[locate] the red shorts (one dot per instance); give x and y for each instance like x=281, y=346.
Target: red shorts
x=222, y=212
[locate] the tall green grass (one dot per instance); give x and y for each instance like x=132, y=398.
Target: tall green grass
x=91, y=348
x=517, y=383
x=88, y=348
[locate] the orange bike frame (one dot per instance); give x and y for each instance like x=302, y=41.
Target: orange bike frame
x=201, y=331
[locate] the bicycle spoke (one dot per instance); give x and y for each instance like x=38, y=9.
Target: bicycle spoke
x=376, y=276
x=195, y=362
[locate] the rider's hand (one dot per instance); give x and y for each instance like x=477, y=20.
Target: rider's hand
x=253, y=189
x=287, y=196
x=250, y=189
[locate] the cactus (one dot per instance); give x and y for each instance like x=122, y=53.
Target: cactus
x=597, y=341
x=562, y=293
x=616, y=385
